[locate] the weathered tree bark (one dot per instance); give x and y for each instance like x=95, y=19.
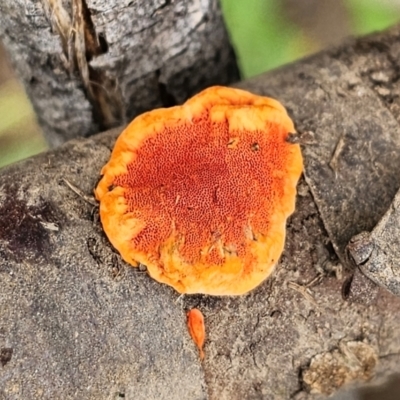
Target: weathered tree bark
x=77, y=322
x=89, y=65
x=377, y=252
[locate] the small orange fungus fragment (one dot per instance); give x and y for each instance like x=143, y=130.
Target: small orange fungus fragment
x=200, y=193
x=197, y=330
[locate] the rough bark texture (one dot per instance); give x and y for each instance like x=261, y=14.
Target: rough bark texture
x=377, y=253
x=88, y=65
x=353, y=160
x=76, y=321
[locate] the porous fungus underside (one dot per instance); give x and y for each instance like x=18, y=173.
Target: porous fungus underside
x=200, y=193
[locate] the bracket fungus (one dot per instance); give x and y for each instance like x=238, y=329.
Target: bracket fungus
x=200, y=193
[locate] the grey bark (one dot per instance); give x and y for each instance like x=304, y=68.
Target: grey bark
x=89, y=65
x=377, y=253
x=77, y=322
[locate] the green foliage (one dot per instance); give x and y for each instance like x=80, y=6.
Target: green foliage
x=262, y=37
x=20, y=136
x=373, y=15
x=265, y=38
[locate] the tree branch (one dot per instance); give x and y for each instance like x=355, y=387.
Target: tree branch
x=90, y=65
x=76, y=321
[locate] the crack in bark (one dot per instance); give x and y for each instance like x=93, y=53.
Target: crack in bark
x=103, y=91
x=81, y=44
x=167, y=98
x=301, y=384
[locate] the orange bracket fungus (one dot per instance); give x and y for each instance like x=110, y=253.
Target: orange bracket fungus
x=197, y=330
x=200, y=193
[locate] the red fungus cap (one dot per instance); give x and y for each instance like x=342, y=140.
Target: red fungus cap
x=200, y=193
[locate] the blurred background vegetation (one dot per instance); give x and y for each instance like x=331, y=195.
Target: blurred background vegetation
x=265, y=34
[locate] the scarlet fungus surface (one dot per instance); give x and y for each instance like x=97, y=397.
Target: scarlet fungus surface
x=197, y=329
x=200, y=193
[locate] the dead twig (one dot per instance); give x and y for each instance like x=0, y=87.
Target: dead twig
x=304, y=291
x=336, y=154
x=89, y=199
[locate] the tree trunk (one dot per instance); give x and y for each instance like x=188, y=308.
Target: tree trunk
x=89, y=65
x=77, y=322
